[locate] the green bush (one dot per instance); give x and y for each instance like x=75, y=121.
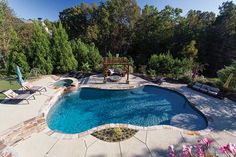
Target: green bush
x=86, y=68
x=165, y=64
x=224, y=73
x=152, y=74
x=201, y=79
x=216, y=82
x=117, y=132
x=186, y=79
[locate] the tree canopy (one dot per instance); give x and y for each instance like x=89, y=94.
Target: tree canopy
x=88, y=32
x=120, y=26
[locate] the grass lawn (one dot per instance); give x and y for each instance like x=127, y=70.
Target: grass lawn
x=4, y=85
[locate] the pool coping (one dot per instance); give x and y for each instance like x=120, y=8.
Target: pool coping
x=53, y=99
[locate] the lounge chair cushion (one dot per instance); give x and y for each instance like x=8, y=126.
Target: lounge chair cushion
x=196, y=87
x=29, y=86
x=10, y=93
x=37, y=88
x=205, y=88
x=213, y=89
x=198, y=84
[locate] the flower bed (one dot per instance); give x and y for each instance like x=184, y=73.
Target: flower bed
x=115, y=134
x=204, y=149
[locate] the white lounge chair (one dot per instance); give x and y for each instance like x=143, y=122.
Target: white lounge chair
x=11, y=95
x=32, y=88
x=111, y=71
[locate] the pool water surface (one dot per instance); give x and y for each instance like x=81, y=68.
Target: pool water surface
x=144, y=106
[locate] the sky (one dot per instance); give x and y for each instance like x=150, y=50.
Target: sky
x=31, y=9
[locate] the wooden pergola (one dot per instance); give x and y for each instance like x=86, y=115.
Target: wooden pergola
x=115, y=61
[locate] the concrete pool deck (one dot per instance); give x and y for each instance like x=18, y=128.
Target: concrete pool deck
x=154, y=142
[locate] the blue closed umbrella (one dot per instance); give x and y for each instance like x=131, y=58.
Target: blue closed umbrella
x=19, y=75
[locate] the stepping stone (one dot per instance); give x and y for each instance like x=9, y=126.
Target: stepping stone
x=134, y=147
x=103, y=149
x=71, y=148
x=141, y=135
x=159, y=140
x=36, y=146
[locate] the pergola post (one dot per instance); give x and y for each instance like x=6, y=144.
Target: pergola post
x=105, y=73
x=127, y=81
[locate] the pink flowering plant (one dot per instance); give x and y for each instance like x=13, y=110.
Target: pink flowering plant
x=204, y=149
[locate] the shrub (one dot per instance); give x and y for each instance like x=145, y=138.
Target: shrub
x=117, y=132
x=162, y=64
x=186, y=79
x=152, y=74
x=143, y=69
x=216, y=82
x=224, y=73
x=86, y=68
x=201, y=79
x=165, y=64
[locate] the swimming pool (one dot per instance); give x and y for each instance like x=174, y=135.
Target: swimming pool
x=144, y=106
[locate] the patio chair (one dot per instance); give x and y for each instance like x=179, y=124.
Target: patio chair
x=197, y=85
x=209, y=90
x=10, y=94
x=33, y=89
x=119, y=72
x=111, y=72
x=214, y=91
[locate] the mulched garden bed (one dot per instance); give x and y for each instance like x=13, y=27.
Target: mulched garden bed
x=115, y=134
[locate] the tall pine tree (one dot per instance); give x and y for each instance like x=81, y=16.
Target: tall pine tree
x=63, y=57
x=40, y=49
x=16, y=55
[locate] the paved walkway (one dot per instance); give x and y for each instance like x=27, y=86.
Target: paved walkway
x=145, y=143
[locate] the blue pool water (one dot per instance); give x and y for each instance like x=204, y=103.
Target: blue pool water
x=145, y=106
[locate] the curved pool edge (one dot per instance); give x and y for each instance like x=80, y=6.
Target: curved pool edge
x=53, y=99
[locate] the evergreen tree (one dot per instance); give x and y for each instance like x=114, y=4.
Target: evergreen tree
x=80, y=51
x=87, y=54
x=40, y=49
x=16, y=55
x=64, y=59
